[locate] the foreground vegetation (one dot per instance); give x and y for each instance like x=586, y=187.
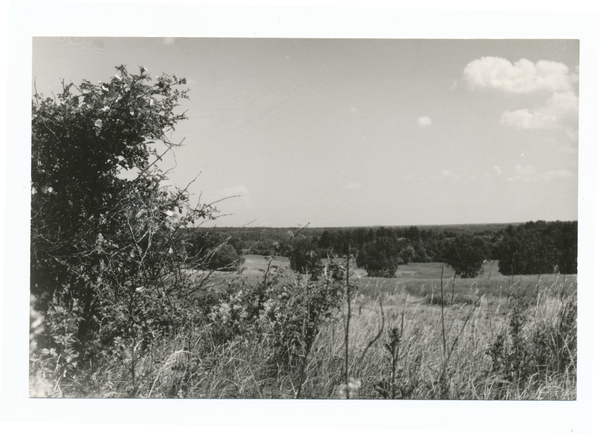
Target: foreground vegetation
x=284, y=336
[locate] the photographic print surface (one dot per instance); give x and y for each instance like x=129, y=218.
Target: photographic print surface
x=266, y=218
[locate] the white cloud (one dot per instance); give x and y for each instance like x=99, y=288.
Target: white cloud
x=497, y=170
x=424, y=121
x=523, y=76
x=560, y=173
x=351, y=186
x=353, y=109
x=562, y=109
x=524, y=170
x=528, y=173
x=448, y=174
x=522, y=173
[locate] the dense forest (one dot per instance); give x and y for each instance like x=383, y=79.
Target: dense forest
x=529, y=248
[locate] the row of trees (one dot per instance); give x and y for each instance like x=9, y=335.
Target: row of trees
x=532, y=248
x=538, y=248
x=425, y=241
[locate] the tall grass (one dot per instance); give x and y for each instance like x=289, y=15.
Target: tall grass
x=287, y=336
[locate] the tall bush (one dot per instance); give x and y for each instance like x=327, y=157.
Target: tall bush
x=380, y=258
x=106, y=255
x=304, y=256
x=466, y=254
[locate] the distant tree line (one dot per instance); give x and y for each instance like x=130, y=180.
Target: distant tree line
x=538, y=248
x=531, y=248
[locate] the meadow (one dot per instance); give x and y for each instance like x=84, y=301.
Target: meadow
x=419, y=335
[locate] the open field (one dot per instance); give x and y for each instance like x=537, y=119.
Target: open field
x=256, y=264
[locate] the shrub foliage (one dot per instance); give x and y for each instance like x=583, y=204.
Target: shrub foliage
x=105, y=252
x=466, y=255
x=380, y=258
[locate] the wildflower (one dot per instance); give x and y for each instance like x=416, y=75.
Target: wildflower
x=224, y=310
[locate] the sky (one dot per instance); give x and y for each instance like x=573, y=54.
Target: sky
x=358, y=132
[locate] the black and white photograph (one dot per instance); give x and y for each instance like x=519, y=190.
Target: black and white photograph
x=225, y=219
x=304, y=218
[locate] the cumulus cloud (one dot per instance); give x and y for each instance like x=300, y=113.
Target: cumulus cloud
x=351, y=186
x=497, y=170
x=424, y=121
x=353, y=109
x=523, y=76
x=562, y=109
